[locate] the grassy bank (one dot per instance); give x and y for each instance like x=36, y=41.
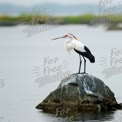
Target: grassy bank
x=43, y=19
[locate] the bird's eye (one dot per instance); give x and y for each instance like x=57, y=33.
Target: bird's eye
x=65, y=36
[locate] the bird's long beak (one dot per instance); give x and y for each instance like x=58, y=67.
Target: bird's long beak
x=58, y=38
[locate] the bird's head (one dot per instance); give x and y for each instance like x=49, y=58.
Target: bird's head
x=69, y=36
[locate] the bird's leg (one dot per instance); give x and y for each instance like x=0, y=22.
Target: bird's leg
x=80, y=64
x=84, y=65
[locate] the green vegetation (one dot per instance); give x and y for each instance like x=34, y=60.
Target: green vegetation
x=78, y=19
x=46, y=19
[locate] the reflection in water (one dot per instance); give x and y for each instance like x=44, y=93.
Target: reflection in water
x=113, y=116
x=100, y=116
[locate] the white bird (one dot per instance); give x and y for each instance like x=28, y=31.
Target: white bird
x=72, y=43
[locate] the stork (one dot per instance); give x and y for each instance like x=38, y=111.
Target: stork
x=72, y=43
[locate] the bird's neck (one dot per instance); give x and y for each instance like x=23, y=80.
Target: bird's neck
x=68, y=45
x=69, y=40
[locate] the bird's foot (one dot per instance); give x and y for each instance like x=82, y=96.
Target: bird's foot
x=84, y=73
x=81, y=73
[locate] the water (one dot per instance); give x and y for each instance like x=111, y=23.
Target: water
x=29, y=69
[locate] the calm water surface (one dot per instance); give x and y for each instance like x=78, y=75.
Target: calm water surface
x=23, y=60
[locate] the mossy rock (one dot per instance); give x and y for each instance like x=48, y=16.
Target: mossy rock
x=81, y=92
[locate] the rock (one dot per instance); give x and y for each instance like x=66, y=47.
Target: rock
x=81, y=92
x=120, y=105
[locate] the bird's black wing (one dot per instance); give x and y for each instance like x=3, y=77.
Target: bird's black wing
x=87, y=49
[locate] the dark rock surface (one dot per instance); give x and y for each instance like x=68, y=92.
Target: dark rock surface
x=81, y=92
x=120, y=105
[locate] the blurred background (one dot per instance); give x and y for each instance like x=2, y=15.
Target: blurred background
x=65, y=12
x=26, y=48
